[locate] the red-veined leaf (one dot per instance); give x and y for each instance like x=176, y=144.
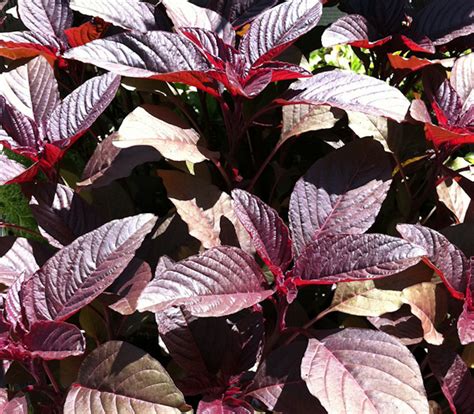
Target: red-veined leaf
x=462, y=77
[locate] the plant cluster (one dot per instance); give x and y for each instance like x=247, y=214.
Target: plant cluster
x=200, y=213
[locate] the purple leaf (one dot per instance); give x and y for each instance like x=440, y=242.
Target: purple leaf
x=358, y=371
x=17, y=405
x=445, y=20
x=236, y=342
x=341, y=193
x=269, y=233
x=278, y=383
x=129, y=286
x=10, y=170
x=109, y=163
x=46, y=16
x=349, y=91
x=80, y=272
x=118, y=377
x=401, y=324
x=466, y=325
x=298, y=119
x=22, y=133
x=51, y=340
x=218, y=406
x=240, y=12
x=221, y=281
x=13, y=305
x=161, y=128
x=276, y=29
x=61, y=214
x=78, y=111
x=19, y=255
x=354, y=30
x=185, y=14
x=466, y=319
x=31, y=89
x=440, y=91
x=445, y=258
x=454, y=377
x=41, y=42
x=166, y=56
x=385, y=15
x=129, y=14
x=462, y=77
x=344, y=258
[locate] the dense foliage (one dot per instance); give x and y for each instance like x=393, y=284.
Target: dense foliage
x=223, y=206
